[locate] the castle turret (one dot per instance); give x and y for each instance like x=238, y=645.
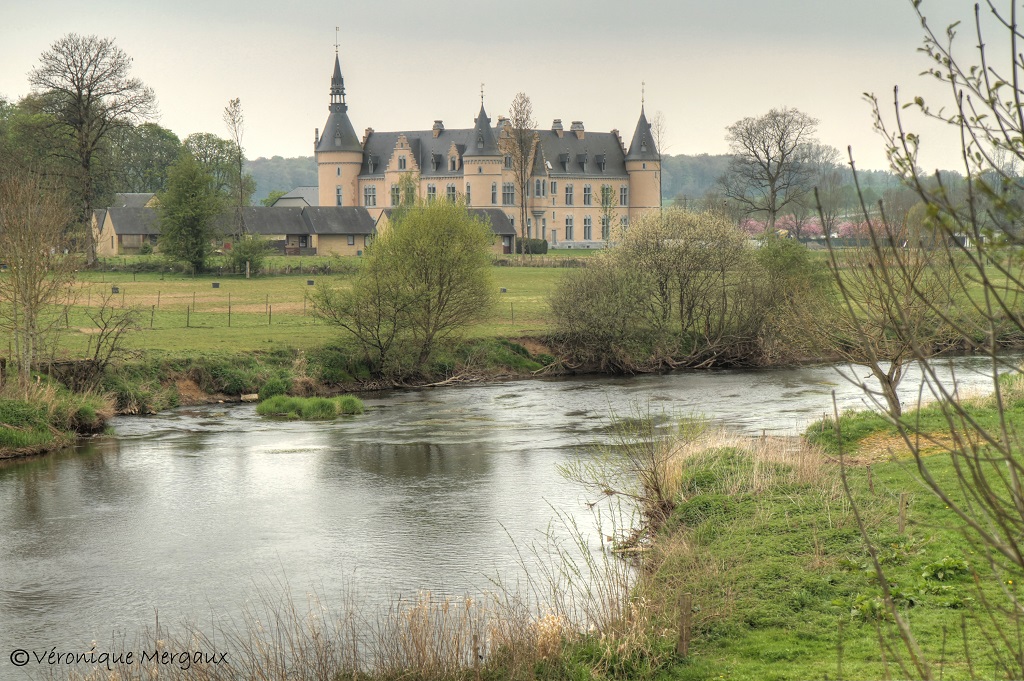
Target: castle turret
x=643, y=163
x=338, y=151
x=482, y=164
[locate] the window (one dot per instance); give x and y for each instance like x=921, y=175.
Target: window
x=449, y=192
x=554, y=188
x=494, y=193
x=452, y=162
x=508, y=161
x=469, y=199
x=351, y=239
x=587, y=229
x=396, y=195
x=624, y=223
x=401, y=162
x=339, y=171
x=431, y=192
x=568, y=228
x=538, y=187
x=370, y=195
x=588, y=195
x=337, y=195
x=568, y=194
x=508, y=194
x=303, y=241
x=623, y=196
x=606, y=228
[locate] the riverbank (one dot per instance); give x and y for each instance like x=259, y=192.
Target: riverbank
x=46, y=417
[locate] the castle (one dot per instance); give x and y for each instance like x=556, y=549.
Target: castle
x=581, y=184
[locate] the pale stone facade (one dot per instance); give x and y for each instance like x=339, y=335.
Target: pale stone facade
x=583, y=186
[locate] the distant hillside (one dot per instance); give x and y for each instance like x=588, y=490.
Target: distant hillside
x=281, y=174
x=690, y=177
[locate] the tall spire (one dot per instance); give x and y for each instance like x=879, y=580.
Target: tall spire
x=338, y=88
x=338, y=134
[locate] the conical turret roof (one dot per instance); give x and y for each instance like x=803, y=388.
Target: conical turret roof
x=482, y=142
x=642, y=148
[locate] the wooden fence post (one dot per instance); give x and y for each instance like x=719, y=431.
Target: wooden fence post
x=685, y=614
x=476, y=655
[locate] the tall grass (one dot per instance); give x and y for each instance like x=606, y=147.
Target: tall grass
x=310, y=408
x=47, y=416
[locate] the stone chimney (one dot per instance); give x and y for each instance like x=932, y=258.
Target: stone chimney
x=366, y=135
x=619, y=137
x=556, y=127
x=577, y=127
x=438, y=128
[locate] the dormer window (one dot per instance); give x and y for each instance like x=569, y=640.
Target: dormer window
x=453, y=163
x=369, y=164
x=479, y=141
x=508, y=161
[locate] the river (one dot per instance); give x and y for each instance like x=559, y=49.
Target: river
x=185, y=513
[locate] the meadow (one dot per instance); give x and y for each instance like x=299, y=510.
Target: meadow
x=211, y=312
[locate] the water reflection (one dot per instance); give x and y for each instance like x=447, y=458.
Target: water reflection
x=182, y=512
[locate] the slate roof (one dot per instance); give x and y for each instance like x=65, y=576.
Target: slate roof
x=424, y=146
x=271, y=221
x=642, y=147
x=132, y=199
x=134, y=220
x=498, y=220
x=311, y=195
x=339, y=220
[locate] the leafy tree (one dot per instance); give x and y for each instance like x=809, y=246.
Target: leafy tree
x=680, y=289
x=187, y=212
x=84, y=85
x=142, y=156
x=36, y=289
x=272, y=197
x=769, y=170
x=423, y=281
x=218, y=158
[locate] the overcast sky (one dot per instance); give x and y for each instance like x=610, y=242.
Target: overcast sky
x=706, y=63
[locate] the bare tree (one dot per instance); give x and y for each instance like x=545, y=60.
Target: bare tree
x=36, y=288
x=977, y=474
x=767, y=171
x=519, y=144
x=659, y=130
x=235, y=122
x=85, y=86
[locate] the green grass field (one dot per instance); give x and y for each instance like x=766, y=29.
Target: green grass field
x=180, y=313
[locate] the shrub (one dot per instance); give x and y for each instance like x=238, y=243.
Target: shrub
x=350, y=404
x=273, y=387
x=538, y=246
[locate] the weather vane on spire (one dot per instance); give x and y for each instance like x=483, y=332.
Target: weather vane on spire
x=481, y=94
x=336, y=40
